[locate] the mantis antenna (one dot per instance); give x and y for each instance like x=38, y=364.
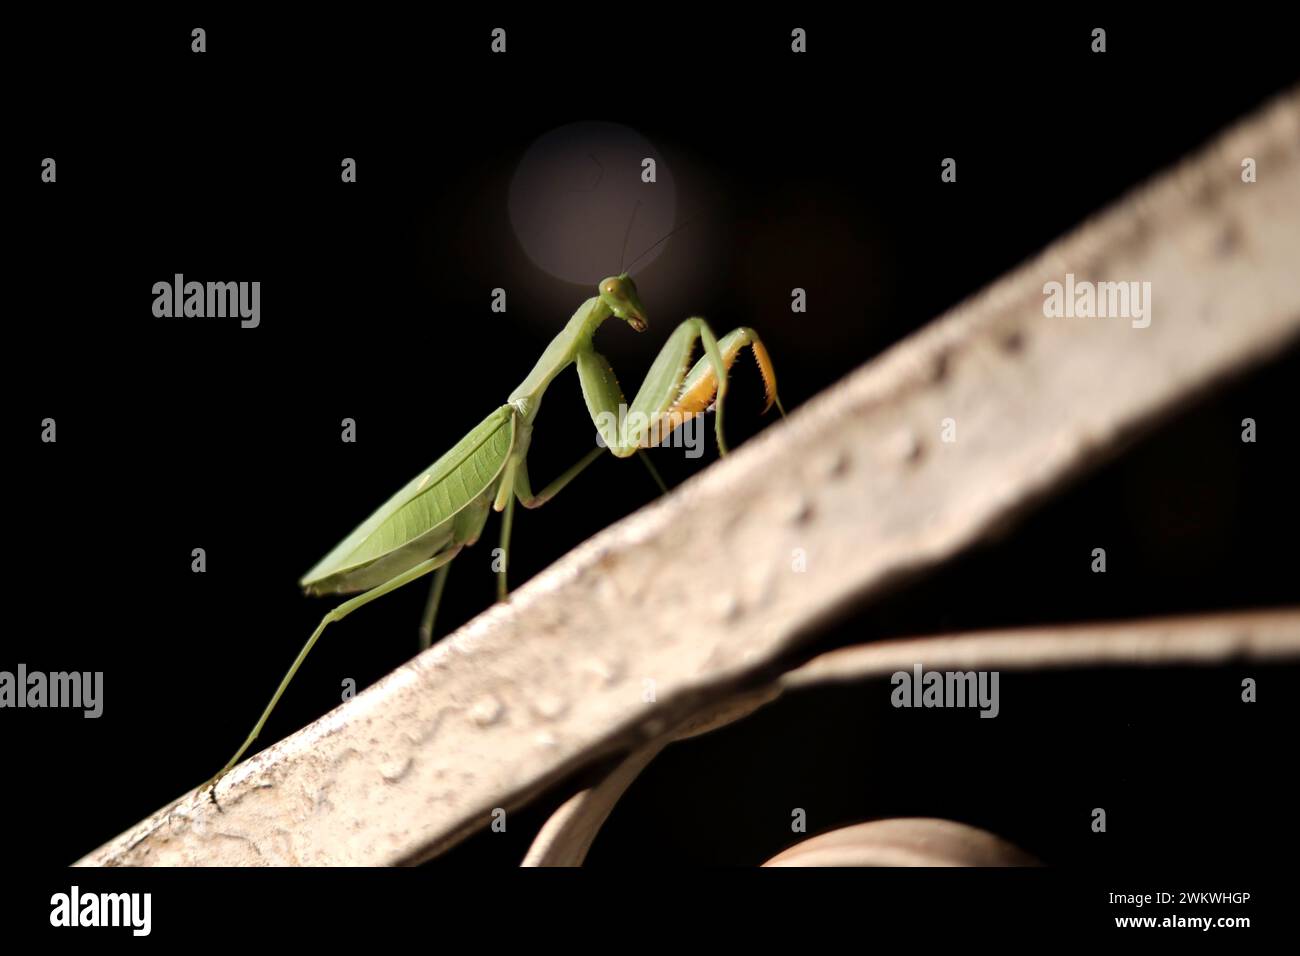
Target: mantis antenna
x=658, y=242
x=627, y=235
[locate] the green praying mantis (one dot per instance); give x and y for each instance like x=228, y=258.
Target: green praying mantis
x=423, y=527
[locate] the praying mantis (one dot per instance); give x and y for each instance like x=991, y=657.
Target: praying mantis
x=422, y=528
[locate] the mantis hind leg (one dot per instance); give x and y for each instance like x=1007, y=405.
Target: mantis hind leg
x=466, y=528
x=337, y=614
x=431, y=606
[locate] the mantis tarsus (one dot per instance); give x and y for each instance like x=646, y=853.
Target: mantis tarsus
x=425, y=525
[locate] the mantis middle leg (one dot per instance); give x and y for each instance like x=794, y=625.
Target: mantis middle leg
x=524, y=493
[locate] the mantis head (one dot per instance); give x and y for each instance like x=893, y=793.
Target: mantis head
x=619, y=294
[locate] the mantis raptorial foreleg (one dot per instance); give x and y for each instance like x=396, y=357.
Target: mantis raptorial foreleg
x=701, y=383
x=625, y=429
x=670, y=395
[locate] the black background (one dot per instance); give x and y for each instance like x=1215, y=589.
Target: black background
x=821, y=171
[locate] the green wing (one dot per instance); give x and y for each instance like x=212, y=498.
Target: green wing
x=417, y=522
